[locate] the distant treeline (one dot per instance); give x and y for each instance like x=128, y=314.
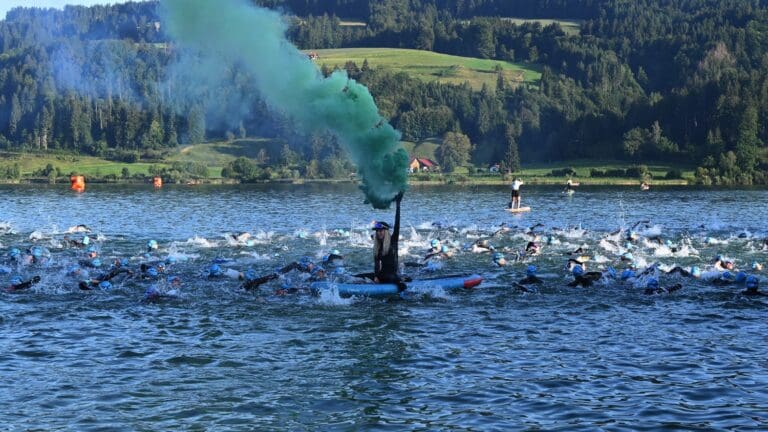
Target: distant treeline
x=680, y=81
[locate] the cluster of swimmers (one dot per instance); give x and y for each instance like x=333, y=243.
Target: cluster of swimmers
x=87, y=269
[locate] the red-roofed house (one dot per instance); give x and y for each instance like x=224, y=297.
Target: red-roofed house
x=424, y=165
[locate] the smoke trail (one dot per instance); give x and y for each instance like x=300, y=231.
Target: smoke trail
x=235, y=32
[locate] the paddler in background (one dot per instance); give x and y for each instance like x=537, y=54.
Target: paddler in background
x=385, y=258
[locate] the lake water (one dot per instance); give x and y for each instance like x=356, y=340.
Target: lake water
x=213, y=356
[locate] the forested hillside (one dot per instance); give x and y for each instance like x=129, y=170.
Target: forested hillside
x=681, y=81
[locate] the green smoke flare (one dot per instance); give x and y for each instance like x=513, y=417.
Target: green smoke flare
x=235, y=32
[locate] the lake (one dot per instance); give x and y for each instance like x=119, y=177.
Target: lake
x=210, y=355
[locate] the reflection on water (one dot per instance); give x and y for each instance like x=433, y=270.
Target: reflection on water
x=218, y=357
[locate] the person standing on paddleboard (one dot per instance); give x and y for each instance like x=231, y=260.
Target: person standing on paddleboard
x=385, y=259
x=514, y=203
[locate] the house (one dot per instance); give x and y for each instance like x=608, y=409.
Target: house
x=312, y=55
x=423, y=165
x=494, y=168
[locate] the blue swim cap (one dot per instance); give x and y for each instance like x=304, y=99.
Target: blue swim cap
x=96, y=262
x=628, y=256
x=250, y=243
x=668, y=242
x=14, y=252
x=214, y=270
x=577, y=270
x=695, y=272
x=91, y=248
x=741, y=277
x=757, y=266
x=626, y=274
x=151, y=292
x=152, y=272
x=752, y=281
x=335, y=252
x=105, y=285
x=124, y=262
x=530, y=270
x=152, y=244
x=317, y=269
x=611, y=272
x=305, y=260
x=86, y=240
x=172, y=279
x=498, y=256
x=338, y=271
x=444, y=249
x=16, y=280
x=652, y=283
x=434, y=243
x=727, y=275
x=250, y=275
x=36, y=251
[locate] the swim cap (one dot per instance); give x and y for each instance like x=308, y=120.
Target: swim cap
x=152, y=272
x=16, y=280
x=338, y=271
x=36, y=251
x=626, y=274
x=250, y=243
x=214, y=270
x=695, y=272
x=498, y=256
x=14, y=252
x=435, y=243
x=105, y=285
x=530, y=270
x=628, y=256
x=444, y=249
x=96, y=262
x=577, y=270
x=611, y=272
x=91, y=248
x=152, y=244
x=250, y=275
x=668, y=243
x=741, y=277
x=151, y=292
x=173, y=279
x=752, y=282
x=124, y=262
x=629, y=246
x=652, y=283
x=335, y=252
x=317, y=269
x=727, y=275
x=86, y=240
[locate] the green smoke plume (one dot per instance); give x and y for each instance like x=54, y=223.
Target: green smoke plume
x=236, y=32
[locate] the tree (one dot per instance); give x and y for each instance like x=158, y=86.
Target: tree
x=454, y=151
x=512, y=155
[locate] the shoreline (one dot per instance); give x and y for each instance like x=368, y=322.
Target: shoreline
x=538, y=181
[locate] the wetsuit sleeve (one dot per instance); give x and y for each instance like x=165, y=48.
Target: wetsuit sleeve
x=396, y=233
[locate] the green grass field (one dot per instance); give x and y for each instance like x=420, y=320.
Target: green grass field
x=570, y=27
x=430, y=66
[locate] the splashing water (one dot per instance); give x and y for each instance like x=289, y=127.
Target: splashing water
x=234, y=32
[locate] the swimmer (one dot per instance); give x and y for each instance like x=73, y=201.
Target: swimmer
x=18, y=284
x=530, y=276
x=752, y=284
x=532, y=248
x=653, y=287
x=498, y=259
x=694, y=272
x=582, y=278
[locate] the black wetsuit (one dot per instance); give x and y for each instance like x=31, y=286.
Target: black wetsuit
x=386, y=265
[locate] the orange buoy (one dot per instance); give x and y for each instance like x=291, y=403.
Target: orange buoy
x=77, y=183
x=157, y=181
